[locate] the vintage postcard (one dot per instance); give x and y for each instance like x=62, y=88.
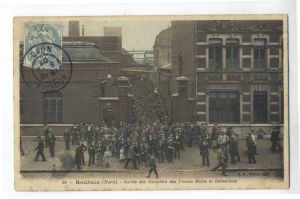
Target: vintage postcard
x=151, y=102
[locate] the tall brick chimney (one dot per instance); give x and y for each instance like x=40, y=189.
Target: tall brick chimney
x=74, y=29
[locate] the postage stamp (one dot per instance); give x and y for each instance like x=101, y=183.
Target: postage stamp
x=41, y=65
x=36, y=33
x=151, y=102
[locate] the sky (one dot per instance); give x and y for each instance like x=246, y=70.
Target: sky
x=136, y=35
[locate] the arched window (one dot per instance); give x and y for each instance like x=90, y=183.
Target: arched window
x=53, y=108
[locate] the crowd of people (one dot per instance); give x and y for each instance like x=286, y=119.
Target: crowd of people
x=148, y=104
x=143, y=144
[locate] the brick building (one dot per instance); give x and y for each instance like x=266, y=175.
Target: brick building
x=96, y=91
x=81, y=99
x=234, y=70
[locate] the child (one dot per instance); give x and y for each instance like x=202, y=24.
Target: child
x=204, y=152
x=122, y=154
x=152, y=165
x=107, y=155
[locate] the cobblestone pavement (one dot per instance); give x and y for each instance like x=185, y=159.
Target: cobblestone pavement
x=190, y=160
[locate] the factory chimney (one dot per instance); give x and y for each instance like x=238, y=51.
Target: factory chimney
x=74, y=29
x=82, y=30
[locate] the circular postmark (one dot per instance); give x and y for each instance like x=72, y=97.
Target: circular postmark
x=43, y=70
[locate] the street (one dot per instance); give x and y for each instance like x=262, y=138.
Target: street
x=190, y=161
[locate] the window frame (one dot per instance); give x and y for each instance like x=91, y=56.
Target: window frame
x=222, y=99
x=50, y=99
x=232, y=44
x=215, y=43
x=261, y=61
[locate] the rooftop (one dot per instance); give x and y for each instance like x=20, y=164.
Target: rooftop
x=84, y=51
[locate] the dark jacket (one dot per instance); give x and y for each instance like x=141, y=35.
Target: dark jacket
x=91, y=149
x=250, y=144
x=215, y=133
x=83, y=148
x=51, y=140
x=152, y=163
x=67, y=136
x=40, y=145
x=131, y=153
x=46, y=132
x=233, y=145
x=204, y=147
x=78, y=153
x=275, y=136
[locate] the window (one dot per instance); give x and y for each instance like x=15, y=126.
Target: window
x=53, y=108
x=215, y=53
x=232, y=53
x=260, y=106
x=260, y=53
x=224, y=107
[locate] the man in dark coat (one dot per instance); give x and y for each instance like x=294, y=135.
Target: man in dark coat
x=214, y=135
x=40, y=149
x=67, y=138
x=92, y=152
x=51, y=143
x=177, y=147
x=90, y=133
x=251, y=148
x=145, y=153
x=78, y=155
x=161, y=150
x=46, y=134
x=83, y=149
x=73, y=132
x=170, y=149
x=152, y=144
x=234, y=149
x=229, y=132
x=204, y=145
x=131, y=157
x=275, y=140
x=152, y=165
